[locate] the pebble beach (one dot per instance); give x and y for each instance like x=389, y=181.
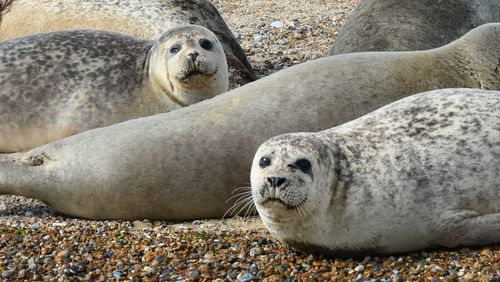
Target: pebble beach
x=39, y=244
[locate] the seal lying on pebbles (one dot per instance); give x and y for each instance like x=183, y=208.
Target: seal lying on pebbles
x=186, y=163
x=421, y=172
x=147, y=19
x=404, y=25
x=56, y=84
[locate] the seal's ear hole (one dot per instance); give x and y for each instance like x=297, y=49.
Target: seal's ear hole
x=264, y=161
x=206, y=44
x=175, y=48
x=304, y=165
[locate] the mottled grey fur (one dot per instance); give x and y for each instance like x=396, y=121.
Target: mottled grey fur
x=56, y=84
x=44, y=68
x=185, y=164
x=144, y=18
x=421, y=172
x=404, y=25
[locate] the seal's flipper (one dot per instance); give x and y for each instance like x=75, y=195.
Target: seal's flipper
x=468, y=228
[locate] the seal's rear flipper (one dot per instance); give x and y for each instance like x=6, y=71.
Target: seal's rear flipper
x=468, y=228
x=19, y=179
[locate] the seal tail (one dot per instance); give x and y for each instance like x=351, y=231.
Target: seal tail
x=18, y=179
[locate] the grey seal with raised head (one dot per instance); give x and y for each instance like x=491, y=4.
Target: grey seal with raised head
x=419, y=173
x=57, y=84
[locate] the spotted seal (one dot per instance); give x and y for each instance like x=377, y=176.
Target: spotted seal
x=185, y=164
x=404, y=25
x=421, y=172
x=57, y=84
x=147, y=19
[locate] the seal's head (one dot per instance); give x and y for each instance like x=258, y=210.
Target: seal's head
x=292, y=177
x=188, y=64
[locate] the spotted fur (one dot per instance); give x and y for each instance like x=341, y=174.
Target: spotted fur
x=57, y=84
x=421, y=172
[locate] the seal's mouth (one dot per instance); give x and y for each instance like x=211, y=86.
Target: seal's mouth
x=195, y=74
x=276, y=202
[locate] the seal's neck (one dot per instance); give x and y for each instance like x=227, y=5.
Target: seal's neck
x=162, y=89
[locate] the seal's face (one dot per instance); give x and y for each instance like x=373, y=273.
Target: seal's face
x=193, y=58
x=192, y=65
x=291, y=177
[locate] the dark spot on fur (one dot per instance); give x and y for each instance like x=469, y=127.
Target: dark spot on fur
x=423, y=182
x=416, y=131
x=36, y=160
x=432, y=123
x=193, y=20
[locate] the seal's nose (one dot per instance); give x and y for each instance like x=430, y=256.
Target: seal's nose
x=193, y=56
x=276, y=182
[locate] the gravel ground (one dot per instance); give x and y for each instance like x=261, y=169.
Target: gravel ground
x=37, y=243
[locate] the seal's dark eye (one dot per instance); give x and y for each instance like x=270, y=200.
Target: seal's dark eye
x=206, y=44
x=263, y=162
x=304, y=165
x=176, y=48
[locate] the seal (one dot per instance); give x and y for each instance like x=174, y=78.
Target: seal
x=185, y=164
x=405, y=25
x=147, y=19
x=57, y=84
x=421, y=172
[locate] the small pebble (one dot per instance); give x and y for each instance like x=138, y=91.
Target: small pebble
x=278, y=24
x=139, y=225
x=256, y=251
x=283, y=41
x=193, y=274
x=29, y=213
x=469, y=276
x=359, y=268
x=159, y=259
x=7, y=274
x=233, y=275
x=258, y=37
x=247, y=277
x=117, y=274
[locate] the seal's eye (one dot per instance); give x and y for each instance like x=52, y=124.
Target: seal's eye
x=174, y=49
x=263, y=162
x=304, y=165
x=206, y=44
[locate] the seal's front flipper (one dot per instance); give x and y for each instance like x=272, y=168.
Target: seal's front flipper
x=468, y=228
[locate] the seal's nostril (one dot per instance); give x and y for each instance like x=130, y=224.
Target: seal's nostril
x=276, y=181
x=193, y=56
x=280, y=181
